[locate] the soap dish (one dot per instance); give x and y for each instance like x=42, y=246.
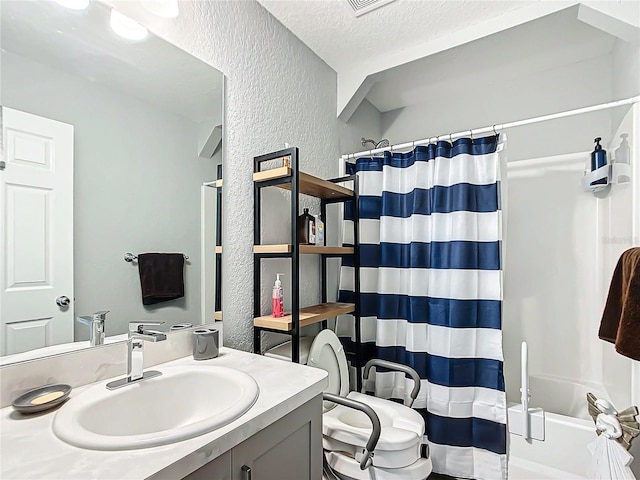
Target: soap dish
x=41, y=398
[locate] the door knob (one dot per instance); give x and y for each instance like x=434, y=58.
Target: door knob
x=63, y=301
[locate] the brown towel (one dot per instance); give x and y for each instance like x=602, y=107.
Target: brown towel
x=161, y=276
x=621, y=318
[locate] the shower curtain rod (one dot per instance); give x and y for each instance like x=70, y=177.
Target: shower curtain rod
x=496, y=128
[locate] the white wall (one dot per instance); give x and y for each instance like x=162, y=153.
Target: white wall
x=625, y=69
x=137, y=180
x=551, y=291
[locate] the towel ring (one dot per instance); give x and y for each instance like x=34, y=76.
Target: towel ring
x=130, y=257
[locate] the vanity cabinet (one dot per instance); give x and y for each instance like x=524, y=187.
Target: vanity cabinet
x=290, y=448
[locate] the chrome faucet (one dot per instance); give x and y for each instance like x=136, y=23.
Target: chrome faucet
x=135, y=353
x=95, y=323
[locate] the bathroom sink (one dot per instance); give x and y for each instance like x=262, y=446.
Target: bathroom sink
x=182, y=403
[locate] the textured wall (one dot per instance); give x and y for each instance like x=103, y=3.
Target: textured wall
x=277, y=90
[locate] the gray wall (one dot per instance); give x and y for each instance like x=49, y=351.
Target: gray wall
x=365, y=122
x=573, y=85
x=137, y=188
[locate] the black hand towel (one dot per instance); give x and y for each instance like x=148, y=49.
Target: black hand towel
x=161, y=276
x=621, y=318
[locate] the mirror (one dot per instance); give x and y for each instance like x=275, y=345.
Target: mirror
x=129, y=175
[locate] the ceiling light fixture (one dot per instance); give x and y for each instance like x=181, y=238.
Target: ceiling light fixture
x=127, y=27
x=162, y=8
x=73, y=4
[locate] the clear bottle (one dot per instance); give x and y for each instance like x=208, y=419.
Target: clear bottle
x=319, y=230
x=622, y=155
x=277, y=298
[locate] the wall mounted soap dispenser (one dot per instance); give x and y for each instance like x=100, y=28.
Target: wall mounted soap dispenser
x=622, y=160
x=598, y=160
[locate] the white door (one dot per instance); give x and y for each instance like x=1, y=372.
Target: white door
x=36, y=243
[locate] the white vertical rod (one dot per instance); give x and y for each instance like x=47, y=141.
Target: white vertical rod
x=524, y=382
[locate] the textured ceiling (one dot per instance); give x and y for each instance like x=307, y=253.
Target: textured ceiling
x=331, y=29
x=362, y=46
x=81, y=43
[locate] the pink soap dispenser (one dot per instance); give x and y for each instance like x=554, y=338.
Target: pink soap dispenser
x=277, y=298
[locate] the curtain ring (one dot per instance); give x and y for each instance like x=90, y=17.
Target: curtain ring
x=450, y=139
x=494, y=130
x=471, y=134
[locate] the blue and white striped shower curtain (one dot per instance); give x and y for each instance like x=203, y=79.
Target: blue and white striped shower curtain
x=431, y=293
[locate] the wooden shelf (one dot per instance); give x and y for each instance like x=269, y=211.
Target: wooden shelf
x=304, y=249
x=308, y=184
x=218, y=315
x=308, y=316
x=218, y=248
x=271, y=174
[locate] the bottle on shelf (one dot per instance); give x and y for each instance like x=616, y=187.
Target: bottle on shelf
x=319, y=230
x=622, y=155
x=277, y=298
x=306, y=228
x=598, y=160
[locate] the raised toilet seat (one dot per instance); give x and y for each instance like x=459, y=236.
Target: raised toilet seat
x=346, y=431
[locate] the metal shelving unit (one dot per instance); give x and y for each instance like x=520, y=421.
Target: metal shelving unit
x=290, y=178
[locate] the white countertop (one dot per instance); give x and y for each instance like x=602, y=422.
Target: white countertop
x=30, y=449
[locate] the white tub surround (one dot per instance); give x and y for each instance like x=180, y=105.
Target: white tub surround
x=30, y=449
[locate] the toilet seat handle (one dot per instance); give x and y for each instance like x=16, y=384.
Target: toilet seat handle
x=397, y=367
x=375, y=422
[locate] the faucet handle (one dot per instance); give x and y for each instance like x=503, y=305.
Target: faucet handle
x=139, y=325
x=101, y=315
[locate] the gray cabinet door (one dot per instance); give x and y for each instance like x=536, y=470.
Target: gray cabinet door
x=218, y=469
x=290, y=448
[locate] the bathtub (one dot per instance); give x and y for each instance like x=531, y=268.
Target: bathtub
x=563, y=455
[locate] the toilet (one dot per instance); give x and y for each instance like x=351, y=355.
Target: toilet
x=345, y=431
